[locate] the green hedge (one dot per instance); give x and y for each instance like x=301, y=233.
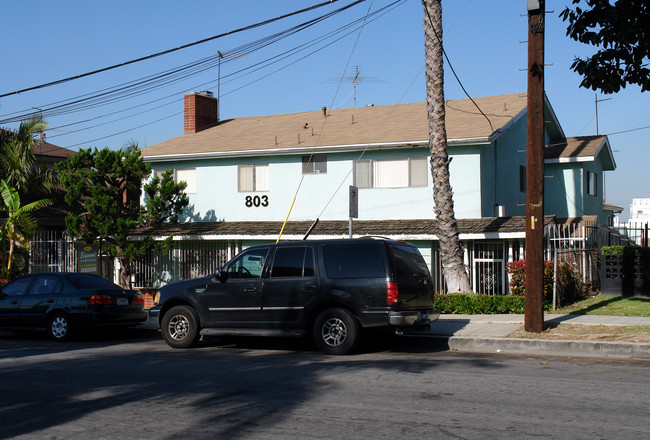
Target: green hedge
x=625, y=250
x=470, y=304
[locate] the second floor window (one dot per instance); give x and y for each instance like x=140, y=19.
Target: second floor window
x=187, y=175
x=252, y=178
x=592, y=186
x=314, y=164
x=391, y=173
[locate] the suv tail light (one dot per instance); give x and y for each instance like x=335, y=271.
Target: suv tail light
x=100, y=300
x=392, y=292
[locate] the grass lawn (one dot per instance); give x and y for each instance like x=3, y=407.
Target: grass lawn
x=620, y=333
x=608, y=305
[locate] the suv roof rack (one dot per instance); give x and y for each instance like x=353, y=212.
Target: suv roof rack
x=376, y=237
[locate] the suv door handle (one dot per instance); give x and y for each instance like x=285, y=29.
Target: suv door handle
x=310, y=287
x=250, y=289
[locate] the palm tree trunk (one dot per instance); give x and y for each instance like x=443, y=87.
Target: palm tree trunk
x=451, y=249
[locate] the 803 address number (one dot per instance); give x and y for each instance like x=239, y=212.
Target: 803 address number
x=257, y=201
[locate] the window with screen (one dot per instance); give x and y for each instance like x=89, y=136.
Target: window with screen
x=252, y=178
x=314, y=164
x=391, y=173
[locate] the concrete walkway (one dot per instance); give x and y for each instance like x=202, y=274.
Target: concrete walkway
x=489, y=333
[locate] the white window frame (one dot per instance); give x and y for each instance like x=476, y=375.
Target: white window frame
x=187, y=175
x=403, y=174
x=259, y=178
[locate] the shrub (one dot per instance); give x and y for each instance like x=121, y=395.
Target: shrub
x=470, y=304
x=569, y=288
x=517, y=270
x=625, y=250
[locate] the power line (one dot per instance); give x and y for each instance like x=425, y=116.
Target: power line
x=185, y=46
x=149, y=83
x=247, y=70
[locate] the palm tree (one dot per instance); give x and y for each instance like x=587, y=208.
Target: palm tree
x=451, y=250
x=18, y=165
x=19, y=224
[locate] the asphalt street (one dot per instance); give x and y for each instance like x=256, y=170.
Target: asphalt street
x=133, y=386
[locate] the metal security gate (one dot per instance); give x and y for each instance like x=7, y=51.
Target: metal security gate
x=488, y=268
x=52, y=251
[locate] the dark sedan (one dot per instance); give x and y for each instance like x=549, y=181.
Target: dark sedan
x=64, y=302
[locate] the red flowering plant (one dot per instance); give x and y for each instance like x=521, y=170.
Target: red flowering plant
x=517, y=271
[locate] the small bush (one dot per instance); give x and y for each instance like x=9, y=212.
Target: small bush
x=517, y=270
x=471, y=304
x=625, y=250
x=569, y=288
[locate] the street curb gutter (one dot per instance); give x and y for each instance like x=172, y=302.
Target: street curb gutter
x=546, y=347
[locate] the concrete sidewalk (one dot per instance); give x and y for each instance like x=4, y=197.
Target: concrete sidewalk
x=489, y=333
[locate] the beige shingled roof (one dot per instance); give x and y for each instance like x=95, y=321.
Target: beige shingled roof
x=402, y=123
x=582, y=146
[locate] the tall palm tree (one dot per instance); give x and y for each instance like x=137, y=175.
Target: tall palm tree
x=19, y=224
x=451, y=250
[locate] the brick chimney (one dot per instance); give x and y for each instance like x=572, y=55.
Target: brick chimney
x=201, y=111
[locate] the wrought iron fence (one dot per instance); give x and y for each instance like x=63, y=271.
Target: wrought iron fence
x=186, y=259
x=52, y=251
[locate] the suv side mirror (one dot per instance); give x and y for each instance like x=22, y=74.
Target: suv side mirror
x=221, y=275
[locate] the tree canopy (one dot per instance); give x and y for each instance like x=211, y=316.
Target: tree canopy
x=104, y=189
x=622, y=32
x=18, y=164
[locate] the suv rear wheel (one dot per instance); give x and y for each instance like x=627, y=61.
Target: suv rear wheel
x=336, y=331
x=180, y=327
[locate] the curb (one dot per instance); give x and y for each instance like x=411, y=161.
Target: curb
x=546, y=346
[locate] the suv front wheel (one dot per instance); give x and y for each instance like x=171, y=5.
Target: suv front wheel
x=180, y=327
x=336, y=331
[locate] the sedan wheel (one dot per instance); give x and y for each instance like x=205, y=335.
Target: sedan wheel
x=180, y=328
x=59, y=328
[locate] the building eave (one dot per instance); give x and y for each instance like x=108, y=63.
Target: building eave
x=310, y=149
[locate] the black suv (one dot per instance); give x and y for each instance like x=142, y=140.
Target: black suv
x=331, y=289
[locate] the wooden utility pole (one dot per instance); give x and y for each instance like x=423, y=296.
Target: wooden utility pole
x=534, y=303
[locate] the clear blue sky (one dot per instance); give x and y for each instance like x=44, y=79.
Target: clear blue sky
x=46, y=41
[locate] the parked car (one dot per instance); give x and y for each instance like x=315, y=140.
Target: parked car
x=64, y=302
x=331, y=289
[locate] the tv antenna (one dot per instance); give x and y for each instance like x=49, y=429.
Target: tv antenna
x=355, y=78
